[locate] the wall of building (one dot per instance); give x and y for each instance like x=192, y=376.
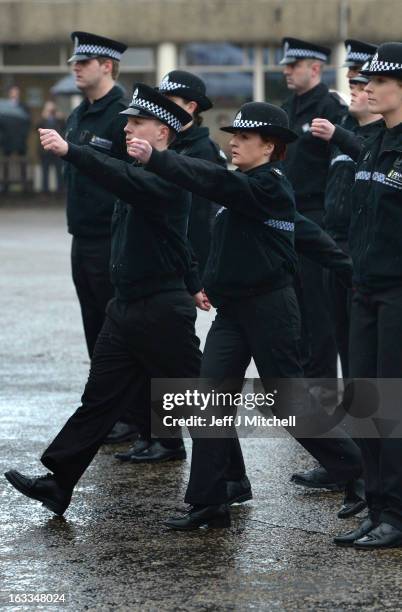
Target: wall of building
x=150, y=21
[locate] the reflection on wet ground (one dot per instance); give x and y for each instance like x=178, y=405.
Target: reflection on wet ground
x=112, y=551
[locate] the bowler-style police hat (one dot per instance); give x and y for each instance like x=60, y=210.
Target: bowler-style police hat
x=88, y=46
x=295, y=49
x=264, y=118
x=387, y=61
x=150, y=104
x=186, y=85
x=358, y=52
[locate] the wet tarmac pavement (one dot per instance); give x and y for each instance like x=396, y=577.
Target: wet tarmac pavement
x=111, y=551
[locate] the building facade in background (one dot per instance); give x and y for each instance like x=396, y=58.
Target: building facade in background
x=234, y=45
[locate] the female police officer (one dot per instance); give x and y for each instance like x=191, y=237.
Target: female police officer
x=248, y=277
x=376, y=318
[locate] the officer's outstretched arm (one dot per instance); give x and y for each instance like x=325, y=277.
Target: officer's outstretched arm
x=259, y=197
x=119, y=177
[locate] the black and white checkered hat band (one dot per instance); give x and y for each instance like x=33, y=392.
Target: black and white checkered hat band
x=171, y=86
x=377, y=66
x=357, y=56
x=247, y=123
x=97, y=50
x=159, y=112
x=306, y=53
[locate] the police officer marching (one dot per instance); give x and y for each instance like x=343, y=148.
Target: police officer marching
x=376, y=320
x=249, y=278
x=96, y=122
x=149, y=326
x=306, y=166
x=340, y=181
x=189, y=92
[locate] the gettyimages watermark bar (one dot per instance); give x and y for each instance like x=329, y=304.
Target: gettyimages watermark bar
x=304, y=408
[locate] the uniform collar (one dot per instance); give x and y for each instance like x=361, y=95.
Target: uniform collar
x=99, y=105
x=263, y=168
x=193, y=133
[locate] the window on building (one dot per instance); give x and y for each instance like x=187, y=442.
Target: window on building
x=31, y=55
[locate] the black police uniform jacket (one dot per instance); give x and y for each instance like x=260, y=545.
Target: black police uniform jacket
x=307, y=159
x=89, y=205
x=341, y=178
x=195, y=142
x=150, y=250
x=252, y=250
x=376, y=224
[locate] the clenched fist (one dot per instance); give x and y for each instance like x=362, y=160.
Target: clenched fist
x=139, y=149
x=322, y=128
x=52, y=141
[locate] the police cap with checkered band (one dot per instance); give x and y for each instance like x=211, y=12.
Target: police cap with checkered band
x=387, y=61
x=295, y=49
x=89, y=46
x=186, y=85
x=264, y=118
x=358, y=52
x=148, y=103
x=360, y=78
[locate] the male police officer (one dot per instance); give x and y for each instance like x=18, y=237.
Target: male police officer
x=96, y=122
x=306, y=166
x=340, y=181
x=189, y=92
x=149, y=329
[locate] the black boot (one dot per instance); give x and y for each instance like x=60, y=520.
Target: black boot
x=349, y=538
x=121, y=432
x=214, y=517
x=382, y=536
x=157, y=453
x=317, y=478
x=239, y=491
x=139, y=445
x=45, y=489
x=354, y=500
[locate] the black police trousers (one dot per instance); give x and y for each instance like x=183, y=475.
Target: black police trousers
x=340, y=298
x=151, y=338
x=319, y=354
x=90, y=258
x=267, y=328
x=376, y=352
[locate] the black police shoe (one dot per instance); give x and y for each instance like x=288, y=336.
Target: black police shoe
x=354, y=501
x=139, y=445
x=45, y=489
x=349, y=538
x=213, y=517
x=121, y=432
x=382, y=536
x=156, y=453
x=317, y=478
x=239, y=491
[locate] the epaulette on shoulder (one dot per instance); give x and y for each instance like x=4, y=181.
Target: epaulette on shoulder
x=277, y=172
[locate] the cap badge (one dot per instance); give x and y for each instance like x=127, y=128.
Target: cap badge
x=135, y=94
x=238, y=116
x=165, y=79
x=348, y=49
x=285, y=47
